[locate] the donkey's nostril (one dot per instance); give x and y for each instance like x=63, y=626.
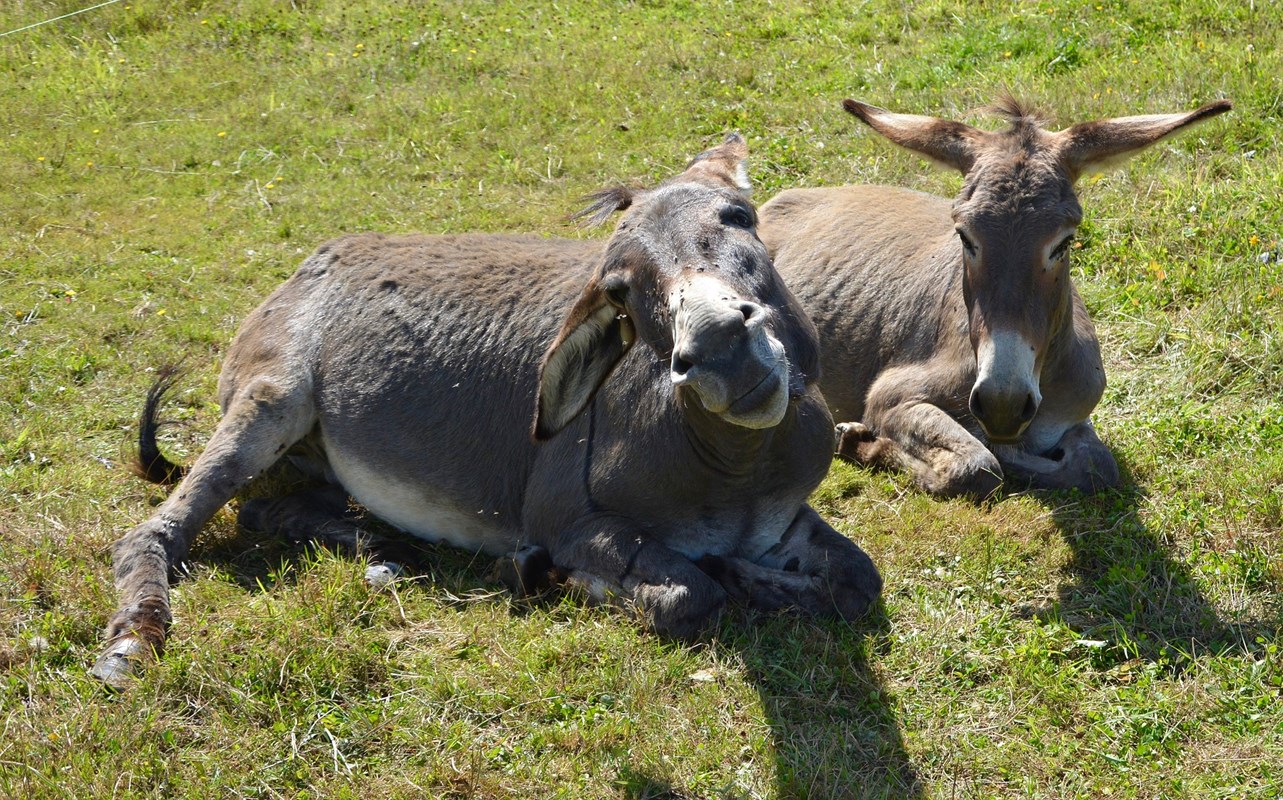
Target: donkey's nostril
x=749, y=310
x=1030, y=408
x=680, y=365
x=977, y=407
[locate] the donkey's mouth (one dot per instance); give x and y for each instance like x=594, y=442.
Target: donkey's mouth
x=1005, y=441
x=758, y=396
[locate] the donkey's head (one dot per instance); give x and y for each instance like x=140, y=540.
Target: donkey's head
x=686, y=275
x=1015, y=218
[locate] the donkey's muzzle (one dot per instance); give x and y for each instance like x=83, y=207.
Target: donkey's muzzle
x=1003, y=416
x=724, y=354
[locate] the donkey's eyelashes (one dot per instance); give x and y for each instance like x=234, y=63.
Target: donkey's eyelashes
x=967, y=244
x=1062, y=249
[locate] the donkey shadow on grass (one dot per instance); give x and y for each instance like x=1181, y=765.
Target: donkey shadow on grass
x=1129, y=591
x=834, y=729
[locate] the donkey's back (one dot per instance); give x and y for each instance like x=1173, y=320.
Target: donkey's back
x=371, y=324
x=877, y=295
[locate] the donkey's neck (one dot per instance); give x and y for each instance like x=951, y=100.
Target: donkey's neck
x=726, y=449
x=1061, y=343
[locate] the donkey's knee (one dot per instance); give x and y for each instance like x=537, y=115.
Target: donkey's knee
x=680, y=610
x=851, y=581
x=975, y=476
x=813, y=568
x=1093, y=461
x=1078, y=461
x=1100, y=470
x=1089, y=465
x=973, y=473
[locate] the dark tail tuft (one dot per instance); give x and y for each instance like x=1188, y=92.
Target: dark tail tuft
x=149, y=463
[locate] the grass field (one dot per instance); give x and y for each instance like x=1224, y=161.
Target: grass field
x=165, y=164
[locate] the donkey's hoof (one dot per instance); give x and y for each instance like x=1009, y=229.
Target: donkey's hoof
x=857, y=442
x=527, y=572
x=382, y=575
x=122, y=664
x=852, y=432
x=682, y=612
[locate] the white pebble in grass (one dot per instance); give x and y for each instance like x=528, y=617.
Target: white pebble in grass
x=380, y=576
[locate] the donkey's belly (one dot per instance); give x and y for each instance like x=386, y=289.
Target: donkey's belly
x=423, y=510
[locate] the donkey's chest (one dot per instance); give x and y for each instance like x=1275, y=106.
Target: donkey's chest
x=745, y=531
x=696, y=517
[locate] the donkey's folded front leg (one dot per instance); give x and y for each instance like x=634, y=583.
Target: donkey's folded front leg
x=618, y=563
x=943, y=457
x=1080, y=460
x=813, y=569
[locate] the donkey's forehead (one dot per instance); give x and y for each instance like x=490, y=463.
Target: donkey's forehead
x=679, y=224
x=680, y=199
x=1019, y=180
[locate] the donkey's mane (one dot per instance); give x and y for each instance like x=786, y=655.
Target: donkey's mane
x=603, y=203
x=1016, y=111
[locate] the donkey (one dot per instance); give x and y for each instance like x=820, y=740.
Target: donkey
x=404, y=371
x=954, y=345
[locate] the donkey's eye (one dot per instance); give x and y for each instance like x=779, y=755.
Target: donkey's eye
x=1062, y=249
x=967, y=244
x=738, y=217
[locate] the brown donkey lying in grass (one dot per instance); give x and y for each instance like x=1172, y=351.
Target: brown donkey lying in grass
x=953, y=342
x=676, y=434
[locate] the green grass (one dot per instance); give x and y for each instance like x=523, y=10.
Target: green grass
x=165, y=164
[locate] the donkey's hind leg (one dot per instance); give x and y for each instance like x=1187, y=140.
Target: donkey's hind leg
x=321, y=515
x=261, y=421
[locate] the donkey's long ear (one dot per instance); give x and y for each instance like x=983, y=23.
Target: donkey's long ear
x=593, y=338
x=1091, y=146
x=726, y=163
x=951, y=144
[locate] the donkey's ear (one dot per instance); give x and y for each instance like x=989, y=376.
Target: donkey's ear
x=593, y=338
x=950, y=144
x=727, y=163
x=1092, y=146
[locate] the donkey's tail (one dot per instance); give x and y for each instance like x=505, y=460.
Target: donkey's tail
x=149, y=463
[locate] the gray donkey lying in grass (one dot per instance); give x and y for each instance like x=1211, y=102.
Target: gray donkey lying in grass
x=676, y=434
x=954, y=345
